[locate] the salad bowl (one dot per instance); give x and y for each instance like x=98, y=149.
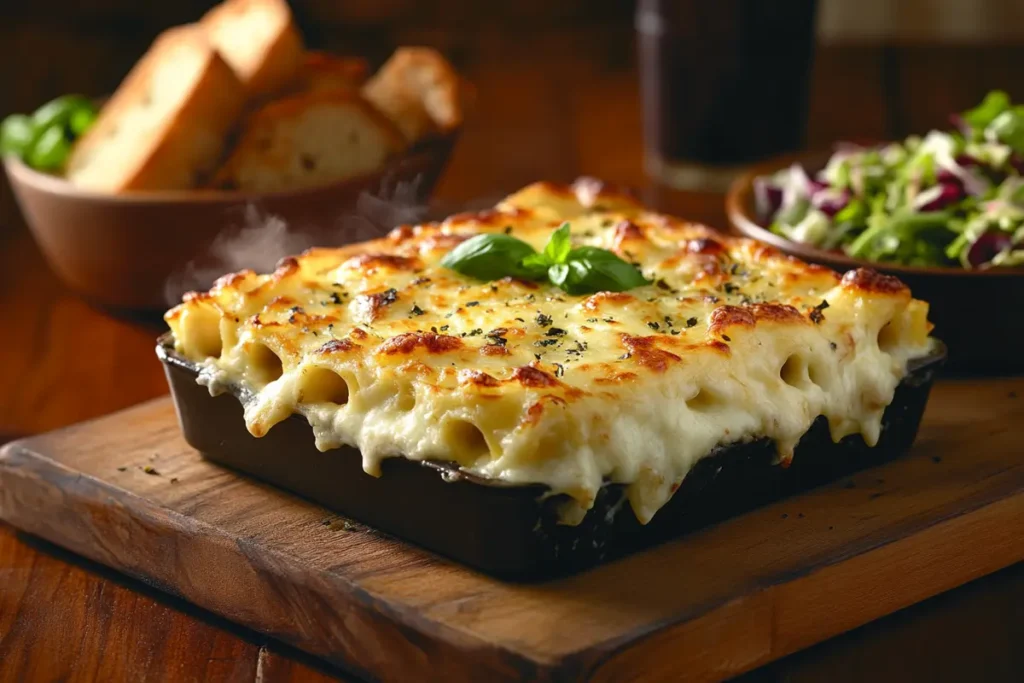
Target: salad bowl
x=974, y=310
x=943, y=212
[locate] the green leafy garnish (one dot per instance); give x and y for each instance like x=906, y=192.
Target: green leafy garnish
x=854, y=212
x=899, y=227
x=81, y=120
x=591, y=269
x=1008, y=128
x=44, y=139
x=922, y=201
x=582, y=270
x=51, y=149
x=60, y=110
x=16, y=134
x=559, y=245
x=492, y=256
x=996, y=119
x=994, y=104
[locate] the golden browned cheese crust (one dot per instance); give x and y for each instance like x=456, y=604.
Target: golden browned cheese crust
x=380, y=347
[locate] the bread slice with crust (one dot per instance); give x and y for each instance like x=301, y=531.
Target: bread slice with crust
x=419, y=90
x=258, y=38
x=165, y=126
x=307, y=140
x=324, y=71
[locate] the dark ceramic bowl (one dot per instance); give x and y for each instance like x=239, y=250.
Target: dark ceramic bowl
x=979, y=314
x=137, y=252
x=512, y=531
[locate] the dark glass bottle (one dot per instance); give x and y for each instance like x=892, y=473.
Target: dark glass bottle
x=723, y=82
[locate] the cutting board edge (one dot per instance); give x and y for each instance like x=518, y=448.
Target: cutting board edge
x=19, y=460
x=604, y=662
x=503, y=662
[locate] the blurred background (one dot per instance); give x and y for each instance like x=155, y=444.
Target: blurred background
x=556, y=78
x=557, y=95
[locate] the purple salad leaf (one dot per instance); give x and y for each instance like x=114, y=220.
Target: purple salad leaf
x=985, y=248
x=830, y=201
x=940, y=196
x=767, y=198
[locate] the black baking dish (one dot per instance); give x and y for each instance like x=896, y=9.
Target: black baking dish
x=512, y=531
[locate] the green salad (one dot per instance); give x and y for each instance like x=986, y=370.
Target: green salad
x=949, y=198
x=43, y=139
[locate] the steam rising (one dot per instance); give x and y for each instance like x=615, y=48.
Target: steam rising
x=255, y=239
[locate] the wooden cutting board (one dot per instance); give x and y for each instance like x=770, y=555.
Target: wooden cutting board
x=127, y=491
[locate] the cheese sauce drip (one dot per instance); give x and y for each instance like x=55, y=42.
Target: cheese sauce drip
x=382, y=349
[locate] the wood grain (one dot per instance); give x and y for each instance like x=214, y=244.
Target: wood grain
x=581, y=55
x=709, y=606
x=160, y=639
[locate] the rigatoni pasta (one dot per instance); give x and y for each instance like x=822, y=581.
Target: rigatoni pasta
x=381, y=348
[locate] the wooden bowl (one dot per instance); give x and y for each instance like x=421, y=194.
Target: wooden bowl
x=979, y=314
x=137, y=253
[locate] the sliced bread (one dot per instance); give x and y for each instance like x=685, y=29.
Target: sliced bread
x=309, y=139
x=258, y=38
x=165, y=126
x=419, y=90
x=323, y=71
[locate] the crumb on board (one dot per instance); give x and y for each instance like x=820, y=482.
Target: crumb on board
x=151, y=471
x=338, y=524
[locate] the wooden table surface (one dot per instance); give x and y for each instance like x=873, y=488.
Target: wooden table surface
x=551, y=114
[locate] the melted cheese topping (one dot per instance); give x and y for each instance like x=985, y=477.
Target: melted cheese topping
x=382, y=349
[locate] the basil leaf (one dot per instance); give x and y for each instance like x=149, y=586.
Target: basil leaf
x=532, y=271
x=592, y=269
x=536, y=261
x=577, y=271
x=492, y=256
x=559, y=245
x=558, y=274
x=994, y=104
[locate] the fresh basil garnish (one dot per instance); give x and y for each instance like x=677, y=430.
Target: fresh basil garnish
x=591, y=269
x=559, y=245
x=491, y=256
x=582, y=270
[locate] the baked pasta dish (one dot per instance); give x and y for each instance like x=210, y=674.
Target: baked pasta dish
x=569, y=337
